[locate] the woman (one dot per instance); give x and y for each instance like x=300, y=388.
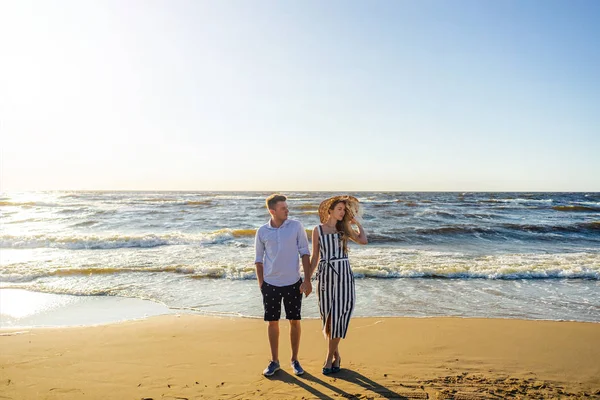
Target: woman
x=335, y=287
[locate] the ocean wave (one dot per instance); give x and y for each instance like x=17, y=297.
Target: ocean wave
x=517, y=200
x=73, y=210
x=76, y=242
x=409, y=264
x=22, y=221
x=240, y=232
x=575, y=208
x=450, y=273
x=573, y=228
x=17, y=204
x=453, y=229
x=116, y=241
x=408, y=233
x=380, y=205
x=426, y=264
x=159, y=200
x=200, y=203
x=84, y=242
x=91, y=271
x=436, y=213
x=486, y=216
x=590, y=203
x=240, y=197
x=84, y=223
x=192, y=272
x=308, y=207
x=30, y=204
x=396, y=214
x=74, y=195
x=384, y=238
x=64, y=290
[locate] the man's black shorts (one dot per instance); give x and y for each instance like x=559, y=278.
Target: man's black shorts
x=292, y=301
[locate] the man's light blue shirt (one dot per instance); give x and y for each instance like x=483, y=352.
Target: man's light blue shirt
x=278, y=250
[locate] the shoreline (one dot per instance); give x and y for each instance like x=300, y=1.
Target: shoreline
x=43, y=310
x=196, y=356
x=27, y=309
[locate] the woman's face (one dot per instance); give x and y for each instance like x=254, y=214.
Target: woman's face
x=338, y=211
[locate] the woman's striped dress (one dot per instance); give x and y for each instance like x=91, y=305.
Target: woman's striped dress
x=336, y=284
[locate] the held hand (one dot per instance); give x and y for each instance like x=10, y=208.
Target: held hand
x=306, y=288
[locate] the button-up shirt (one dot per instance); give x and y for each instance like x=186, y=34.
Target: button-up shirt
x=278, y=250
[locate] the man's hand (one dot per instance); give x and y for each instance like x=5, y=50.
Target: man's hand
x=306, y=288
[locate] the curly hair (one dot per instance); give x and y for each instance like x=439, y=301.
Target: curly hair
x=344, y=227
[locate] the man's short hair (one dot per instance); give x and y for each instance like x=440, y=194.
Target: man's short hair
x=274, y=199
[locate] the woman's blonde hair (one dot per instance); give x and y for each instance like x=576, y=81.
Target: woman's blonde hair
x=344, y=227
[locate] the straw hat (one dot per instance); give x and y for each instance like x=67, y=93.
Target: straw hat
x=352, y=207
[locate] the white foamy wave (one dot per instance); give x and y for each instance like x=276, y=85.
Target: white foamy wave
x=589, y=203
x=64, y=290
x=113, y=241
x=18, y=278
x=239, y=197
x=375, y=200
x=518, y=200
x=384, y=263
x=423, y=264
x=64, y=274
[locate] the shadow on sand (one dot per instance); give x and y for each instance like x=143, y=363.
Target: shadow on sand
x=346, y=375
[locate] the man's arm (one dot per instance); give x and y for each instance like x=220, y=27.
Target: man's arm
x=306, y=286
x=259, y=273
x=259, y=248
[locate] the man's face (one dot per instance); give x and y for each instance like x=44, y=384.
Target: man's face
x=280, y=211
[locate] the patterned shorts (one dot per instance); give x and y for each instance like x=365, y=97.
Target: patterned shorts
x=292, y=301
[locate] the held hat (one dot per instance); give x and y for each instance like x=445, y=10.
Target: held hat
x=352, y=206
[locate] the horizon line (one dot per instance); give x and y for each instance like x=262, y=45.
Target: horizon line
x=292, y=190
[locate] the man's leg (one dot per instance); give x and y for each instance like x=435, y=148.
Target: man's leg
x=272, y=303
x=274, y=340
x=295, y=331
x=292, y=300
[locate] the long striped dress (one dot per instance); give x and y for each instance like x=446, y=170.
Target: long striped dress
x=336, y=284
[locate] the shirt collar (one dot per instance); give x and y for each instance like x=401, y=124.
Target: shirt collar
x=282, y=225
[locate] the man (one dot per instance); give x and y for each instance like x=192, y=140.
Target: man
x=278, y=244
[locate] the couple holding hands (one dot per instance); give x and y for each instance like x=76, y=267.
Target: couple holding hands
x=279, y=243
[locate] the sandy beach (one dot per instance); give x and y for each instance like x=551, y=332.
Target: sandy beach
x=196, y=357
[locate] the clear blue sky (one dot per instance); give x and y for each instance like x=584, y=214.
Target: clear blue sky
x=300, y=95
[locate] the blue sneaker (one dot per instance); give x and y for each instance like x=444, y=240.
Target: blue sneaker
x=297, y=368
x=271, y=369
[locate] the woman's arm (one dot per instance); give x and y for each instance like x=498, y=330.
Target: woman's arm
x=362, y=235
x=316, y=254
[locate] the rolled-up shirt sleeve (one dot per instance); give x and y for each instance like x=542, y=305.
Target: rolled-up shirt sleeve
x=302, y=241
x=259, y=247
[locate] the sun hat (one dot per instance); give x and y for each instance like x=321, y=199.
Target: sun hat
x=352, y=206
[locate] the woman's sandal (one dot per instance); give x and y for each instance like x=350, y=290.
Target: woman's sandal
x=327, y=371
x=338, y=368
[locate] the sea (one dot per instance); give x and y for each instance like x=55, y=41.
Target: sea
x=466, y=254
